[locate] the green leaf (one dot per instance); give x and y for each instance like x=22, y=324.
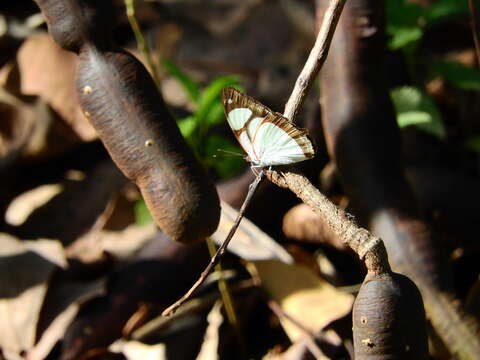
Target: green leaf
x=211, y=96
x=403, y=36
x=457, y=74
x=441, y=9
x=142, y=215
x=474, y=144
x=403, y=23
x=225, y=165
x=187, y=126
x=415, y=108
x=190, y=86
x=409, y=118
x=401, y=13
x=216, y=114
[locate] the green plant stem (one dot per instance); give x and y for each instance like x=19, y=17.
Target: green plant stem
x=227, y=298
x=475, y=28
x=142, y=45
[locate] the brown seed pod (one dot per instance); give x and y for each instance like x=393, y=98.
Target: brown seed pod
x=72, y=23
x=389, y=319
x=119, y=98
x=121, y=101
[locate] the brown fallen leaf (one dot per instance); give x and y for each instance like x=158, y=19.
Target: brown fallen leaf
x=249, y=242
x=308, y=299
x=30, y=128
x=122, y=245
x=301, y=350
x=17, y=121
x=24, y=204
x=25, y=270
x=39, y=60
x=303, y=224
x=209, y=349
x=62, y=304
x=135, y=350
x=473, y=299
x=77, y=208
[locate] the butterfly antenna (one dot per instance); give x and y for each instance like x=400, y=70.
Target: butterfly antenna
x=221, y=250
x=231, y=153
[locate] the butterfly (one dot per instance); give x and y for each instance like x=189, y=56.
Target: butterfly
x=267, y=137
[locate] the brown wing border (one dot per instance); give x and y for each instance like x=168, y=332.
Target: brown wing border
x=241, y=100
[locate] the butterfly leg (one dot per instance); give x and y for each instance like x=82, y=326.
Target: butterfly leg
x=256, y=169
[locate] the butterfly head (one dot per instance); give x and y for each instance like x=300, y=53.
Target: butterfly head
x=254, y=162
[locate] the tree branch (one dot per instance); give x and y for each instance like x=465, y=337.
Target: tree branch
x=315, y=60
x=368, y=247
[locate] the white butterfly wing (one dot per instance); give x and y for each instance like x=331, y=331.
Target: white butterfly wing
x=275, y=145
x=267, y=137
x=237, y=119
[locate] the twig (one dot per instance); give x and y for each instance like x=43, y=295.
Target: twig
x=315, y=60
x=368, y=247
x=221, y=250
x=142, y=45
x=475, y=28
x=311, y=343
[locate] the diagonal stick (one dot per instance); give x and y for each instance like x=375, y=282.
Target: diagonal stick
x=221, y=250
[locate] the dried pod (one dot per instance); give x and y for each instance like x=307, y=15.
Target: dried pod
x=121, y=101
x=389, y=319
x=73, y=23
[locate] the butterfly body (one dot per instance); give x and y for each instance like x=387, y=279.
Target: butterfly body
x=267, y=137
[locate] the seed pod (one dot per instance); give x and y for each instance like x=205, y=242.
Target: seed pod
x=389, y=319
x=121, y=101
x=73, y=23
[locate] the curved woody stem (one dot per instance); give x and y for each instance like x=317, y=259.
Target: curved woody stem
x=367, y=246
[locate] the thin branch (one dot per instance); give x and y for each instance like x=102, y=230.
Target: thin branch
x=315, y=60
x=221, y=250
x=142, y=45
x=368, y=247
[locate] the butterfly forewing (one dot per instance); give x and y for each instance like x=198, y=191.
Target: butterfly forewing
x=244, y=115
x=267, y=137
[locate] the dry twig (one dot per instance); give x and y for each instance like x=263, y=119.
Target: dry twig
x=366, y=245
x=315, y=60
x=221, y=250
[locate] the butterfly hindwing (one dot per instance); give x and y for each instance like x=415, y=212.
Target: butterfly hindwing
x=267, y=137
x=279, y=142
